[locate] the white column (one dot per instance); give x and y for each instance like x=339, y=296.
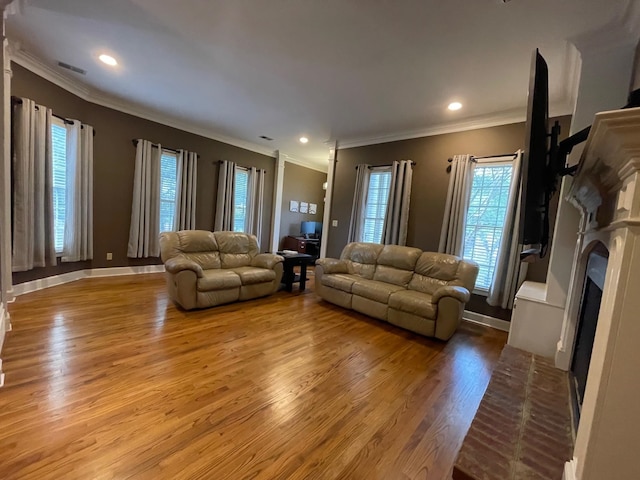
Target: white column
x=278, y=186
x=6, y=288
x=326, y=218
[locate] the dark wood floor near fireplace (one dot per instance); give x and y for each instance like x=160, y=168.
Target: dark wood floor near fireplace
x=106, y=379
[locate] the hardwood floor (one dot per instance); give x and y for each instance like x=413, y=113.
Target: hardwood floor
x=107, y=379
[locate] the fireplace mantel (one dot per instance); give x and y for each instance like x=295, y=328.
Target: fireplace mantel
x=606, y=190
x=601, y=188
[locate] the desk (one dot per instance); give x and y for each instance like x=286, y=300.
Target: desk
x=292, y=260
x=310, y=246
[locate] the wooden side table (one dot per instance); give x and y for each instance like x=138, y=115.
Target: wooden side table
x=292, y=260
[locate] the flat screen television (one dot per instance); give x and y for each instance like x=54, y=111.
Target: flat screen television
x=544, y=160
x=310, y=228
x=538, y=182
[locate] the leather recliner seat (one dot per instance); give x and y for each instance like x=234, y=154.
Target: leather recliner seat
x=205, y=268
x=424, y=292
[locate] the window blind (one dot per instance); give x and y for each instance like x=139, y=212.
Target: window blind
x=59, y=154
x=168, y=179
x=240, y=200
x=485, y=218
x=376, y=205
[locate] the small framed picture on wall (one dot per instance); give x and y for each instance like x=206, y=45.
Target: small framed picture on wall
x=293, y=206
x=313, y=208
x=304, y=207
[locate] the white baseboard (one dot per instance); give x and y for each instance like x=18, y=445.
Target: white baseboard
x=486, y=320
x=570, y=470
x=35, y=285
x=5, y=326
x=40, y=283
x=117, y=271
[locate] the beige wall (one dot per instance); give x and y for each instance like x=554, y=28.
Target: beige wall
x=114, y=156
x=430, y=183
x=300, y=184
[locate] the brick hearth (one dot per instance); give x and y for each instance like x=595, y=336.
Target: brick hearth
x=522, y=429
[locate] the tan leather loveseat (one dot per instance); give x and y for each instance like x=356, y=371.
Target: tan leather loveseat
x=211, y=268
x=421, y=291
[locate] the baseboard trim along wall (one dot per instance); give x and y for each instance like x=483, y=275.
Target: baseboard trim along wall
x=486, y=320
x=5, y=326
x=570, y=470
x=35, y=285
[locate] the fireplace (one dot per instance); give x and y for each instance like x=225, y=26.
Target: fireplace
x=587, y=322
x=601, y=332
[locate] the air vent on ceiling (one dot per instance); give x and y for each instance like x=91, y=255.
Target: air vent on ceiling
x=72, y=68
x=264, y=137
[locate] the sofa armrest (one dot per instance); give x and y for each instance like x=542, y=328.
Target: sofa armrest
x=333, y=265
x=266, y=260
x=178, y=264
x=459, y=293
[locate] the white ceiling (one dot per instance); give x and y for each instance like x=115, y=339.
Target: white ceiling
x=355, y=71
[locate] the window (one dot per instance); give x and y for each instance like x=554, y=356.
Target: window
x=376, y=205
x=485, y=217
x=59, y=142
x=240, y=200
x=168, y=176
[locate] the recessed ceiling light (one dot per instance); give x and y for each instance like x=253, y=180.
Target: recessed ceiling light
x=455, y=106
x=304, y=139
x=108, y=59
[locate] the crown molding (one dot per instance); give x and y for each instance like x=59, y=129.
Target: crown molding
x=556, y=109
x=318, y=165
x=37, y=66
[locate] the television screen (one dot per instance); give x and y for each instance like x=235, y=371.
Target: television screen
x=536, y=189
x=307, y=228
x=311, y=228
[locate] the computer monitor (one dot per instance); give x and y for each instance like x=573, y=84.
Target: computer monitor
x=307, y=228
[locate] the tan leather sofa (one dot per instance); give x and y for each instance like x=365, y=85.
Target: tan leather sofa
x=423, y=292
x=205, y=269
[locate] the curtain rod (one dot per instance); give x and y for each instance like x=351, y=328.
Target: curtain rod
x=473, y=158
x=155, y=145
x=18, y=100
x=387, y=165
x=514, y=155
x=240, y=166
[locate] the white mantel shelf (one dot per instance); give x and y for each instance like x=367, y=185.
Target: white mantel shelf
x=606, y=190
x=610, y=160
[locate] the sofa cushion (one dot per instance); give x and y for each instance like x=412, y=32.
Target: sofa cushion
x=199, y=246
x=236, y=249
x=339, y=281
x=377, y=291
x=253, y=275
x=187, y=241
x=206, y=260
x=400, y=257
x=392, y=275
x=361, y=258
x=218, y=279
x=435, y=270
x=416, y=303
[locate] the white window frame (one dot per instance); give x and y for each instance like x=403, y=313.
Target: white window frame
x=364, y=219
x=244, y=171
x=485, y=162
x=164, y=200
x=57, y=122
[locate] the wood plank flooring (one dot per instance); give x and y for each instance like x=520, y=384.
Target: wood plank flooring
x=107, y=379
